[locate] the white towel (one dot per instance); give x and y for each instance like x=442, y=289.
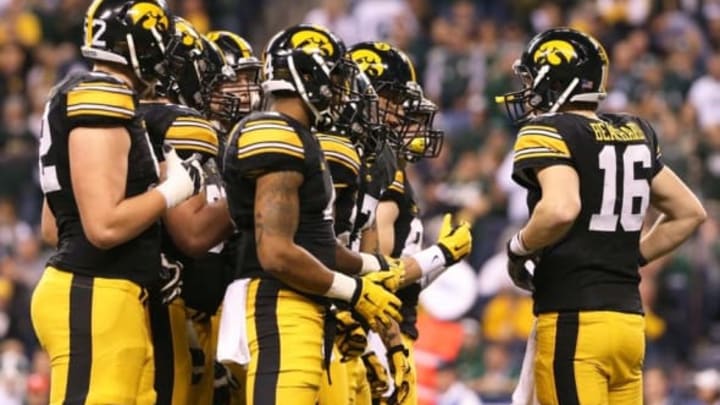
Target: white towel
x=524, y=393
x=232, y=343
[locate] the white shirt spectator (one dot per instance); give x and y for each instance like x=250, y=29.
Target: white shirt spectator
x=376, y=18
x=704, y=96
x=458, y=394
x=333, y=15
x=517, y=210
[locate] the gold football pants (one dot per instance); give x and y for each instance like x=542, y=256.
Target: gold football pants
x=590, y=357
x=285, y=336
x=95, y=331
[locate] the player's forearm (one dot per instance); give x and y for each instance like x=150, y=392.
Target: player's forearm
x=347, y=261
x=108, y=228
x=295, y=267
x=369, y=240
x=196, y=226
x=666, y=235
x=548, y=223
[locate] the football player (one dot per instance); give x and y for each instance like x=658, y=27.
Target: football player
x=400, y=232
x=343, y=141
x=193, y=227
x=280, y=196
x=230, y=101
x=590, y=177
x=97, y=172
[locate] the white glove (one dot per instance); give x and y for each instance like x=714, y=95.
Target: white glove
x=184, y=178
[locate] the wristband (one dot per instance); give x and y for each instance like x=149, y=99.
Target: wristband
x=517, y=246
x=370, y=263
x=172, y=194
x=430, y=260
x=342, y=288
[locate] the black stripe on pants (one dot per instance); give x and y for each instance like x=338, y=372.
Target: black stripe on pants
x=566, y=332
x=78, y=380
x=164, y=355
x=268, y=335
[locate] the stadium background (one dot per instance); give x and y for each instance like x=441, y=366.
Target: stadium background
x=665, y=66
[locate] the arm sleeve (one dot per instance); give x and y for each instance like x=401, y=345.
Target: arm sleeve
x=191, y=135
x=100, y=104
x=396, y=191
x=266, y=148
x=538, y=146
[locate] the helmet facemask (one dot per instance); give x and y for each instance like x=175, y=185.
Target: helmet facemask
x=391, y=109
x=421, y=140
x=358, y=119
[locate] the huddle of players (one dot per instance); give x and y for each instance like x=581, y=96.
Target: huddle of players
x=164, y=183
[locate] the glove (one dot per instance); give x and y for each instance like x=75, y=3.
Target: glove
x=184, y=178
x=391, y=274
x=350, y=337
x=401, y=373
x=225, y=383
x=517, y=266
x=376, y=375
x=170, y=279
x=377, y=305
x=454, y=241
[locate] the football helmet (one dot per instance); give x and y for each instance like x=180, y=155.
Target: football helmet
x=421, y=140
x=358, y=120
x=239, y=98
x=134, y=33
x=197, y=68
x=558, y=66
x=309, y=60
x=393, y=76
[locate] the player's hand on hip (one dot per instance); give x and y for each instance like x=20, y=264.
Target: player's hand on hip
x=519, y=258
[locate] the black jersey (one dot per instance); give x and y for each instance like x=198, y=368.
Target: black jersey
x=594, y=266
x=344, y=164
x=182, y=127
x=376, y=174
x=408, y=232
x=189, y=133
x=266, y=142
x=96, y=99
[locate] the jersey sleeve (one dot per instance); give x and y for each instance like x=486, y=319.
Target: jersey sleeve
x=657, y=162
x=189, y=135
x=100, y=104
x=265, y=146
x=538, y=146
x=342, y=159
x=396, y=191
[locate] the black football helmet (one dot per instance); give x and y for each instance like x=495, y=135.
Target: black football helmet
x=358, y=120
x=421, y=140
x=309, y=60
x=197, y=68
x=239, y=98
x=558, y=66
x=134, y=33
x=393, y=76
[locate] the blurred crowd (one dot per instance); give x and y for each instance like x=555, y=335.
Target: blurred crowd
x=665, y=67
